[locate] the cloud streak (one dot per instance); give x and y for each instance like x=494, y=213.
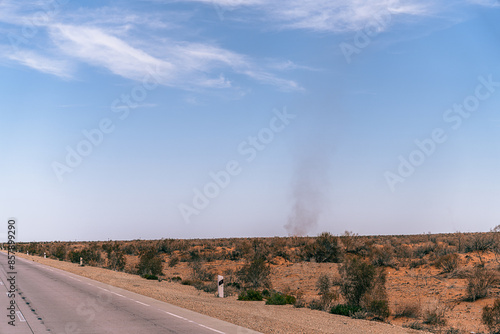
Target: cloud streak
x=324, y=15
x=128, y=45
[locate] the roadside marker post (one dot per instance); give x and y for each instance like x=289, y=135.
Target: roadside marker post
x=44, y=255
x=220, y=285
x=81, y=262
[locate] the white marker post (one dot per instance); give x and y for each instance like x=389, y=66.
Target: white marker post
x=44, y=255
x=81, y=262
x=220, y=284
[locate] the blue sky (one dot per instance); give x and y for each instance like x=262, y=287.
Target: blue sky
x=220, y=118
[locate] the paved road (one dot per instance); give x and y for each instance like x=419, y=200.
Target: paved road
x=49, y=300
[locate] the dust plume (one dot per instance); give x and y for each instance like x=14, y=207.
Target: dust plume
x=309, y=186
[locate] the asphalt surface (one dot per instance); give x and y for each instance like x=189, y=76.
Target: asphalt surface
x=49, y=300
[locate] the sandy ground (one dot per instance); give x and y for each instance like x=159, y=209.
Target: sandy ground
x=254, y=315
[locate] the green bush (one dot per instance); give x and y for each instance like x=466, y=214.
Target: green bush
x=345, y=309
x=278, y=298
x=357, y=278
x=324, y=288
x=150, y=277
x=250, y=295
x=324, y=249
x=379, y=308
x=149, y=263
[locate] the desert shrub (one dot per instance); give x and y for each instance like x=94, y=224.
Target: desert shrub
x=383, y=257
x=210, y=287
x=480, y=282
x=316, y=304
x=256, y=273
x=425, y=249
x=324, y=288
x=150, y=277
x=172, y=262
x=356, y=279
x=130, y=249
x=324, y=249
x=187, y=282
x=149, y=263
x=60, y=252
x=33, y=248
x=200, y=273
x=375, y=299
x=250, y=295
x=176, y=279
x=352, y=242
x=491, y=316
x=379, y=308
x=89, y=256
x=278, y=298
x=435, y=316
x=415, y=325
x=480, y=242
x=345, y=309
x=407, y=310
x=447, y=263
x=116, y=258
x=417, y=263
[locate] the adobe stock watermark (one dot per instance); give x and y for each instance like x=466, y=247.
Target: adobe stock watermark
x=248, y=150
x=453, y=117
x=93, y=138
x=363, y=37
x=30, y=27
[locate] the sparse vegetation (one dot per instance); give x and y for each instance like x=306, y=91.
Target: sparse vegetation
x=462, y=266
x=479, y=283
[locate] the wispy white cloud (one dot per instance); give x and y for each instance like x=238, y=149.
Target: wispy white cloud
x=325, y=15
x=31, y=59
x=127, y=44
x=179, y=64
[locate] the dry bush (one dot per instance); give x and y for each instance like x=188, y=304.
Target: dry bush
x=200, y=273
x=383, y=256
x=447, y=263
x=327, y=295
x=481, y=242
x=491, y=317
x=480, y=282
x=407, y=310
x=325, y=248
x=255, y=274
x=435, y=316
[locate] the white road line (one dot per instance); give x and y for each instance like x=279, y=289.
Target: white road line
x=76, y=279
x=175, y=315
x=20, y=316
x=103, y=289
x=1, y=283
x=194, y=322
x=211, y=329
x=118, y=294
x=140, y=302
